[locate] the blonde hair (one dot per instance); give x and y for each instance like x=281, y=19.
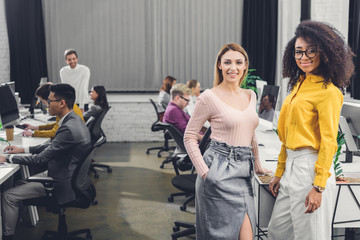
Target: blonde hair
x=218, y=77
x=179, y=89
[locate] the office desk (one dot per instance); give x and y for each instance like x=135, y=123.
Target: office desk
x=19, y=140
x=5, y=173
x=347, y=199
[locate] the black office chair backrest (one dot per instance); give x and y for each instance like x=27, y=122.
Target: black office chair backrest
x=184, y=164
x=95, y=130
x=176, y=135
x=81, y=182
x=156, y=110
x=205, y=141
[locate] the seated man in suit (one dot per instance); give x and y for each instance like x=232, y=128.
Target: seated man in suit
x=71, y=142
x=174, y=113
x=47, y=130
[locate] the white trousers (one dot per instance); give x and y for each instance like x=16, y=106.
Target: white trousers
x=288, y=220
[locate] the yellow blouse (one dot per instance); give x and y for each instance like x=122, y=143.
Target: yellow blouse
x=49, y=130
x=309, y=117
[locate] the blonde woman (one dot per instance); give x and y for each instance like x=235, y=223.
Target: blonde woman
x=224, y=195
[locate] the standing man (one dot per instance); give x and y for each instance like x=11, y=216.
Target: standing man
x=61, y=156
x=78, y=77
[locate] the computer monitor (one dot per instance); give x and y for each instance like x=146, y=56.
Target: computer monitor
x=268, y=102
x=9, y=111
x=351, y=112
x=260, y=86
x=350, y=125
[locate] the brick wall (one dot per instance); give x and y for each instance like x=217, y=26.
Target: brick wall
x=4, y=47
x=130, y=118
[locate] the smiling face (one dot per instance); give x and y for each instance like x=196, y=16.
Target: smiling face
x=71, y=60
x=232, y=65
x=308, y=65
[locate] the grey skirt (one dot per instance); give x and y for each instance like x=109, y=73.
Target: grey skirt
x=226, y=195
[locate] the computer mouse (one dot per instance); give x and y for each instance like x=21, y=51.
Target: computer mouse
x=21, y=126
x=7, y=150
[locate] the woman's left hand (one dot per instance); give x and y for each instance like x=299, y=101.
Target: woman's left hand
x=261, y=171
x=313, y=201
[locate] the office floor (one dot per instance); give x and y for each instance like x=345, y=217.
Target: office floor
x=132, y=199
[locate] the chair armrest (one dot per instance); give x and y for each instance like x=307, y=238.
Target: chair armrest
x=47, y=182
x=43, y=180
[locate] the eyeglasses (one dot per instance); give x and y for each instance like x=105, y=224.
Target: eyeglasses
x=310, y=53
x=187, y=100
x=56, y=100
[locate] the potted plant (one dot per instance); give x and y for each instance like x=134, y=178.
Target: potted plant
x=340, y=139
x=250, y=81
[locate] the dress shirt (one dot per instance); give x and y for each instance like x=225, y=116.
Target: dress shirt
x=176, y=116
x=309, y=117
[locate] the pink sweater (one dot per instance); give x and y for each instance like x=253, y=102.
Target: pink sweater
x=228, y=125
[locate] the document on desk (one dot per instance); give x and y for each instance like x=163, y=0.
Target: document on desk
x=6, y=165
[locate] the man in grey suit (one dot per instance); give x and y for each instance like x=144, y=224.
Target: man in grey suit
x=71, y=142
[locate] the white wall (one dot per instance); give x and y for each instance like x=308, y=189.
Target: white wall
x=130, y=118
x=334, y=12
x=4, y=46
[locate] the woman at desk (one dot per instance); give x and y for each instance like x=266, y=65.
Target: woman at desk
x=319, y=65
x=225, y=207
x=98, y=95
x=164, y=94
x=48, y=130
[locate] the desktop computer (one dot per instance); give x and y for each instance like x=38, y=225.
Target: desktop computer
x=9, y=111
x=267, y=106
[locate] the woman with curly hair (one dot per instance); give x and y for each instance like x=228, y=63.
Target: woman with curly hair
x=164, y=93
x=319, y=65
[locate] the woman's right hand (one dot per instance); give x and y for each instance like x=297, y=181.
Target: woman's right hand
x=204, y=176
x=31, y=127
x=274, y=186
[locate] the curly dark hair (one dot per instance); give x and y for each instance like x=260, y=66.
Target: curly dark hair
x=336, y=64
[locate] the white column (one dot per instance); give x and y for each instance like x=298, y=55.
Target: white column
x=4, y=46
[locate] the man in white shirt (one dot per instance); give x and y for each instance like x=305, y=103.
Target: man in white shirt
x=78, y=77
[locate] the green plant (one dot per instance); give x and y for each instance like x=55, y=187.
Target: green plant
x=4, y=140
x=250, y=81
x=276, y=131
x=337, y=164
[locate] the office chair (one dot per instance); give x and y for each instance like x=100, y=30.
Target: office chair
x=186, y=183
x=156, y=127
x=181, y=161
x=85, y=194
x=98, y=136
